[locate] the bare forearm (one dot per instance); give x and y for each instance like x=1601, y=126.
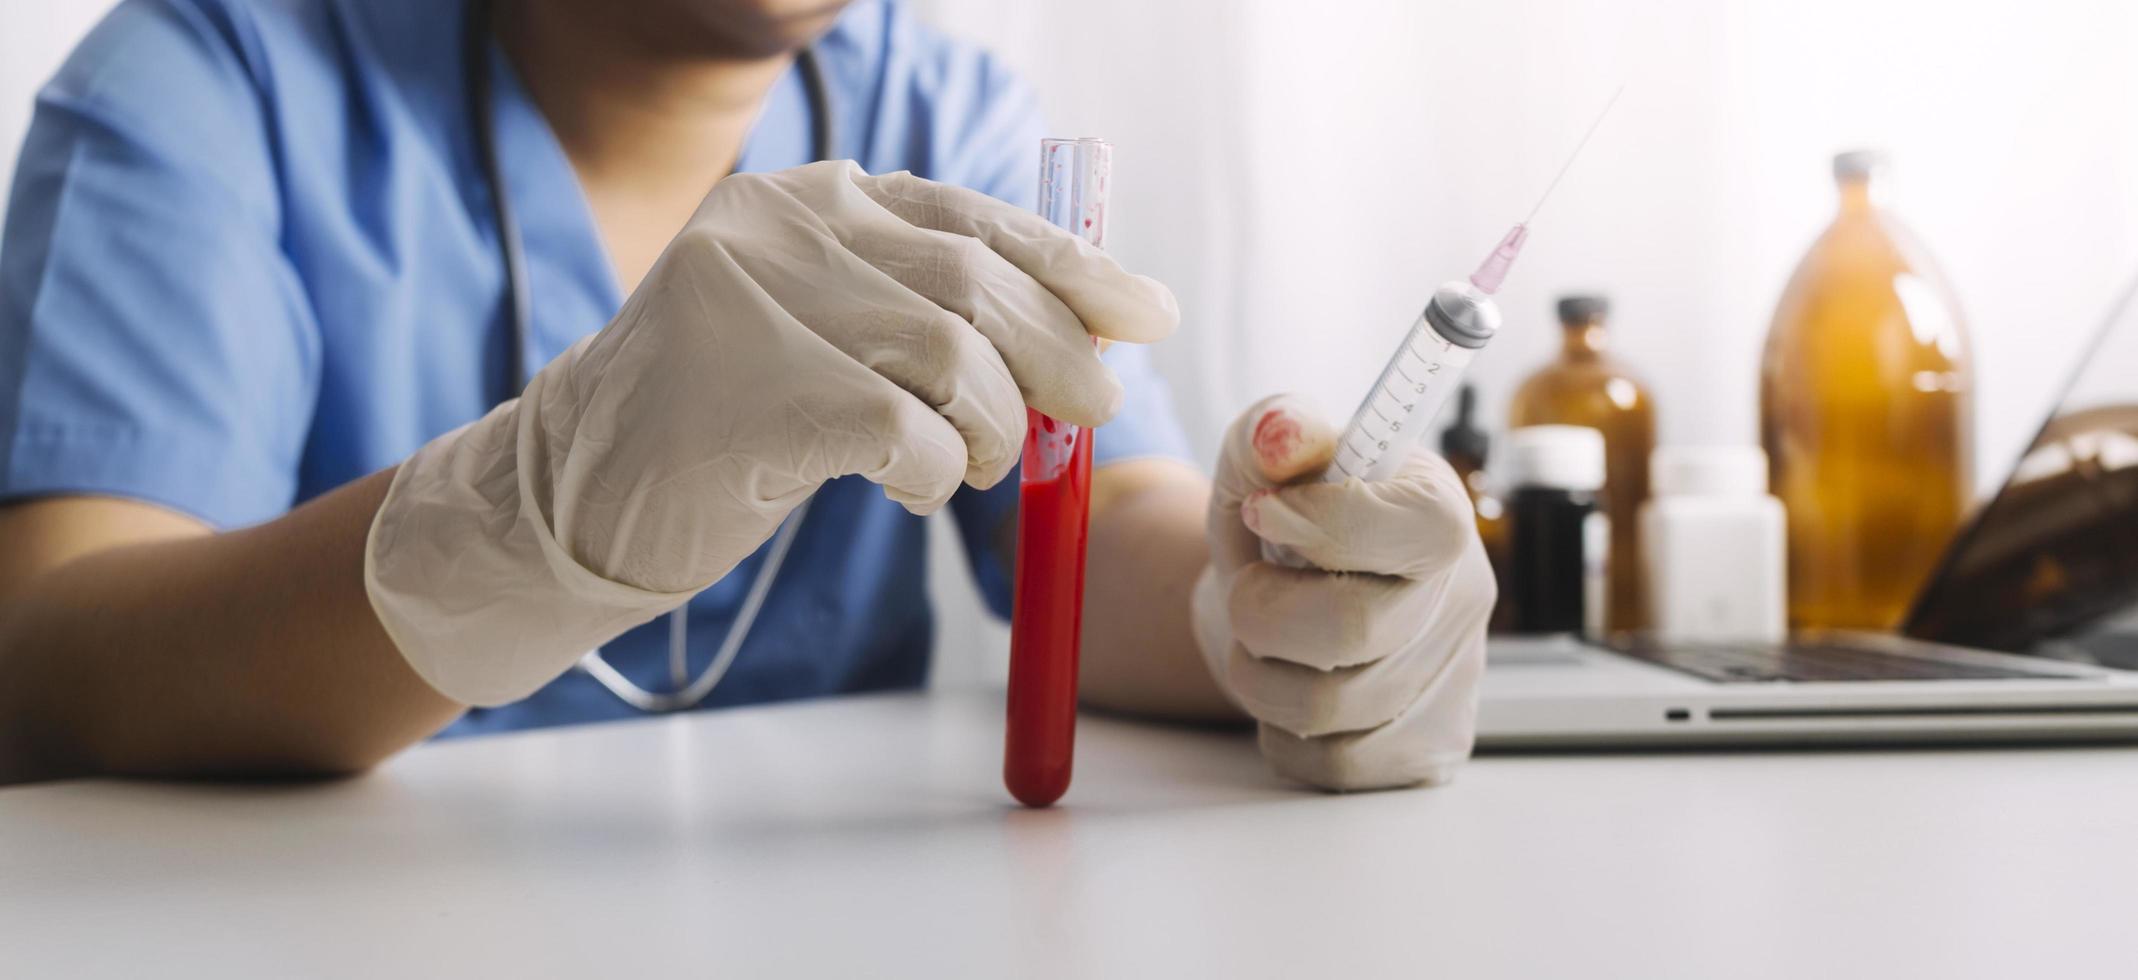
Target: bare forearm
x=1146, y=549
x=248, y=652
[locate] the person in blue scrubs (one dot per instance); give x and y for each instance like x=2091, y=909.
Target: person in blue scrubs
x=252, y=262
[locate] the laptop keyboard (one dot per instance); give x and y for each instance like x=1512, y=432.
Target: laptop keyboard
x=1811, y=663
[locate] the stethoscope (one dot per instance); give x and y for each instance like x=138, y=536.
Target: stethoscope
x=686, y=691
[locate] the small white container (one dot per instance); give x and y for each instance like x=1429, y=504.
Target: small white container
x=1715, y=546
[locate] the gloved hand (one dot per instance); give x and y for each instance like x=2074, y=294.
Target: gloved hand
x=1357, y=681
x=805, y=325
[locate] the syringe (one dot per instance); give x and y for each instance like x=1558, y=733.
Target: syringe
x=1457, y=322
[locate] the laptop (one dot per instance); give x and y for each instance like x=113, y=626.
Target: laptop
x=2026, y=631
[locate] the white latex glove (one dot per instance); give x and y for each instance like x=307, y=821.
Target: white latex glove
x=805, y=325
x=1357, y=681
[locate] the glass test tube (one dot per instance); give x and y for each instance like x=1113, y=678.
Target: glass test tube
x=1054, y=506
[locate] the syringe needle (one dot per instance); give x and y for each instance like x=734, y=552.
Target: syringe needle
x=1493, y=271
x=1575, y=155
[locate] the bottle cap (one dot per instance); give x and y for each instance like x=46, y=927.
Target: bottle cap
x=1463, y=438
x=1859, y=164
x=1703, y=471
x=1560, y=457
x=1578, y=309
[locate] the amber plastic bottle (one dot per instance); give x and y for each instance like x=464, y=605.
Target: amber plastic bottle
x=1864, y=413
x=1585, y=387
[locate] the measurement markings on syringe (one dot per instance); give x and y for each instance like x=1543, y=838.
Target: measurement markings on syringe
x=1393, y=403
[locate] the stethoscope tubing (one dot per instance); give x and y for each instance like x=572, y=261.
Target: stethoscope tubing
x=519, y=339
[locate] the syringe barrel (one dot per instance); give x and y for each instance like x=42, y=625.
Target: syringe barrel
x=1377, y=442
x=1417, y=383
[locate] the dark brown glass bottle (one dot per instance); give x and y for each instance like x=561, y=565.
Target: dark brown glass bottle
x=1586, y=387
x=1864, y=392
x=1554, y=529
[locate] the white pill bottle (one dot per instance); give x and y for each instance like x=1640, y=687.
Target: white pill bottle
x=1715, y=547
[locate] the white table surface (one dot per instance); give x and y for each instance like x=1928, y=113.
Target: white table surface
x=870, y=836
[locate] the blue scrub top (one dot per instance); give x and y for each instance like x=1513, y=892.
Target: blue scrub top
x=249, y=257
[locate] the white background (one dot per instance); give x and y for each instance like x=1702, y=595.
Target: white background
x=1303, y=173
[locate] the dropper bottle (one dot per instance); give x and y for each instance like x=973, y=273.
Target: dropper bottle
x=1466, y=446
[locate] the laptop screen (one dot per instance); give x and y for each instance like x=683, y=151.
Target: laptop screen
x=2050, y=564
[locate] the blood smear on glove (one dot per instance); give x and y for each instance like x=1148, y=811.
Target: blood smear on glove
x=1053, y=508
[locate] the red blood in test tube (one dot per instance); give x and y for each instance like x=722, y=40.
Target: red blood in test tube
x=1053, y=510
x=1046, y=617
